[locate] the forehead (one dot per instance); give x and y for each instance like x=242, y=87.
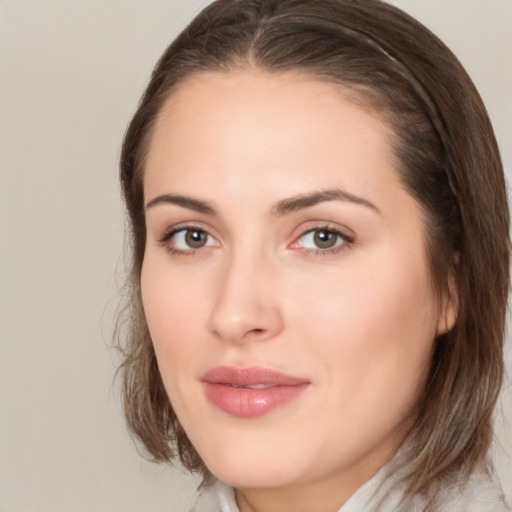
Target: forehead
x=294, y=91
x=258, y=122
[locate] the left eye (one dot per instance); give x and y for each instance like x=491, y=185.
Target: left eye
x=321, y=239
x=187, y=239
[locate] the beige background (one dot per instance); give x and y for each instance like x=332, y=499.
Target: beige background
x=71, y=73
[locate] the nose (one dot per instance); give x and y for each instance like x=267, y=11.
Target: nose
x=246, y=305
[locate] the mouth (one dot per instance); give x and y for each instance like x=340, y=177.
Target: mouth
x=250, y=392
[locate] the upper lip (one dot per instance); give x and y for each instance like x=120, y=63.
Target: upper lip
x=250, y=376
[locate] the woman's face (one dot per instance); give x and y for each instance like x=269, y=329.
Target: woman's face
x=285, y=280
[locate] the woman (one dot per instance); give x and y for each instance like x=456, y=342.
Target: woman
x=320, y=262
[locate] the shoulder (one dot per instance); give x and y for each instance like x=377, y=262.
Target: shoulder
x=387, y=492
x=481, y=492
x=215, y=497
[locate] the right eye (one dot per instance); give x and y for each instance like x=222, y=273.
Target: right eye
x=187, y=240
x=191, y=239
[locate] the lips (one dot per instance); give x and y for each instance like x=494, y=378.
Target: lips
x=250, y=392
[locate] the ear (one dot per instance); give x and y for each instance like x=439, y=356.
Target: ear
x=449, y=303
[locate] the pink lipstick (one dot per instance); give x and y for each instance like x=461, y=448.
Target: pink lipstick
x=250, y=392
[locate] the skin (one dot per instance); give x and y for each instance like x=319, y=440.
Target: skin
x=357, y=319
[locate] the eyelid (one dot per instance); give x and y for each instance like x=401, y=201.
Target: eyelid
x=171, y=231
x=345, y=233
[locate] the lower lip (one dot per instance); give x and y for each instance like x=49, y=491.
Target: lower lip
x=250, y=403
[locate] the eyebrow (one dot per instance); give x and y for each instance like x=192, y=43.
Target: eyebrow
x=183, y=201
x=293, y=204
x=280, y=209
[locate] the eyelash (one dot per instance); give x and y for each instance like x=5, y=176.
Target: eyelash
x=346, y=241
x=343, y=242
x=169, y=235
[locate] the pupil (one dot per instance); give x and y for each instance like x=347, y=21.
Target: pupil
x=324, y=239
x=195, y=239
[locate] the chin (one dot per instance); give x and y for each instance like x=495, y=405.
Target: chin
x=253, y=476
x=252, y=467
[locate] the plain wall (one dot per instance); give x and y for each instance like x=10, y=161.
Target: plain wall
x=71, y=73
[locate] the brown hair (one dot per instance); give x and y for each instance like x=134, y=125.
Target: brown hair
x=448, y=160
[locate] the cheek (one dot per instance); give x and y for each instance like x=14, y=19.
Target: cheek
x=171, y=308
x=373, y=330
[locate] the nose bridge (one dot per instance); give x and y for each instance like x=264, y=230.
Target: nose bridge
x=244, y=306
